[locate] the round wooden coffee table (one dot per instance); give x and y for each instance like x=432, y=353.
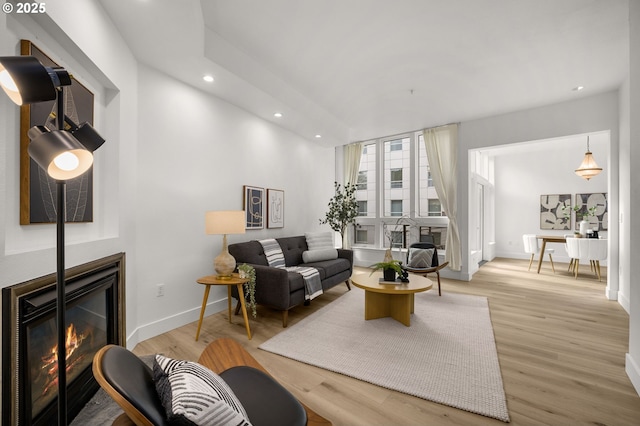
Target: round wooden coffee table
x=394, y=300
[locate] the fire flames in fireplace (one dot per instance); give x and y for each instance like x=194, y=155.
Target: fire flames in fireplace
x=50, y=361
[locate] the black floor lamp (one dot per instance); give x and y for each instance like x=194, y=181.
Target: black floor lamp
x=63, y=154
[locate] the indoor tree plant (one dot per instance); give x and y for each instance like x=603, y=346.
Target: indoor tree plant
x=343, y=210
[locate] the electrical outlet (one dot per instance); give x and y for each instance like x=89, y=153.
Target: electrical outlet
x=160, y=290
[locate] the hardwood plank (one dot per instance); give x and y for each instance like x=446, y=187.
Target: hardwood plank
x=561, y=346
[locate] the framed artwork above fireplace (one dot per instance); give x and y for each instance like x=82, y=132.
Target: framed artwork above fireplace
x=37, y=188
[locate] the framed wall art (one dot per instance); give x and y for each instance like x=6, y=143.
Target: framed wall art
x=37, y=189
x=275, y=208
x=555, y=211
x=594, y=207
x=254, y=207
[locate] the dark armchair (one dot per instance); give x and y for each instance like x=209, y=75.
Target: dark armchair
x=422, y=261
x=129, y=381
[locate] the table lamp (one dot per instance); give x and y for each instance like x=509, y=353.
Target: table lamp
x=224, y=222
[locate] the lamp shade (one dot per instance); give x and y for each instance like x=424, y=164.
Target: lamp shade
x=25, y=80
x=225, y=222
x=59, y=153
x=588, y=168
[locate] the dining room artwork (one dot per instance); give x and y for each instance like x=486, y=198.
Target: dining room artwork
x=555, y=211
x=594, y=209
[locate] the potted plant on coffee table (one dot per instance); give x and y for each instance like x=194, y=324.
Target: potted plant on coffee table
x=389, y=269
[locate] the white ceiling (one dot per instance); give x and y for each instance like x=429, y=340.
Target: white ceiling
x=359, y=69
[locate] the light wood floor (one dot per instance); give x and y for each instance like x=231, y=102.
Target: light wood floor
x=561, y=347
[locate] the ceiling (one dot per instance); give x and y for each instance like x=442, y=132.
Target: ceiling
x=360, y=69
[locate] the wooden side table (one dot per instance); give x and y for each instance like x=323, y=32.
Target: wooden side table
x=235, y=280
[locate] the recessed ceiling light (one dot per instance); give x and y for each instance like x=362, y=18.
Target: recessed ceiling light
x=577, y=88
x=208, y=78
x=277, y=114
x=318, y=136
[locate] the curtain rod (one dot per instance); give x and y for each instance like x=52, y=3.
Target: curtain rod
x=403, y=133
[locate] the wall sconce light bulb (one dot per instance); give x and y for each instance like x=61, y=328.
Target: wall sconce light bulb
x=7, y=82
x=67, y=161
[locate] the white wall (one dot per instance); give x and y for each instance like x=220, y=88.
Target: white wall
x=195, y=154
x=633, y=202
x=522, y=176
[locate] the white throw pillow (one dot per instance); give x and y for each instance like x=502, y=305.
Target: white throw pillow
x=319, y=240
x=319, y=255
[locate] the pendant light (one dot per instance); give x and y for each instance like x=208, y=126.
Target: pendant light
x=588, y=168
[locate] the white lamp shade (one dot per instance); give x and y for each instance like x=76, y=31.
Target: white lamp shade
x=225, y=222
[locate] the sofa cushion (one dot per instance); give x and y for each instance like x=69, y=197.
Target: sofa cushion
x=319, y=255
x=193, y=394
x=248, y=252
x=328, y=268
x=292, y=249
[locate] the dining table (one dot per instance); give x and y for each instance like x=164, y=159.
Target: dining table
x=548, y=239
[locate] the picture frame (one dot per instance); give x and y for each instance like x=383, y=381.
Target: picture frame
x=253, y=200
x=598, y=200
x=275, y=208
x=555, y=211
x=37, y=188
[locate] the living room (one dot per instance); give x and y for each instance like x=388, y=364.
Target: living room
x=176, y=150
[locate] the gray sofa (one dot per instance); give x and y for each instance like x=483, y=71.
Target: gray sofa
x=281, y=289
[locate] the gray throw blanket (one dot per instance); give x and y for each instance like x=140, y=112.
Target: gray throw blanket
x=275, y=259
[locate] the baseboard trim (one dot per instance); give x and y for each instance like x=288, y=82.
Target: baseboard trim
x=632, y=369
x=166, y=324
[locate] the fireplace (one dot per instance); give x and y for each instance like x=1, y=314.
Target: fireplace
x=94, y=317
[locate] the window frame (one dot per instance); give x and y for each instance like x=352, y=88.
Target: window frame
x=377, y=219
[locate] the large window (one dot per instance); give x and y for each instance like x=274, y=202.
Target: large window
x=397, y=202
x=397, y=173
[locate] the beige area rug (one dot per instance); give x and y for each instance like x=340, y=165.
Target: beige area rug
x=448, y=355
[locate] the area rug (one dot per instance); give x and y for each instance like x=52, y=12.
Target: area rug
x=448, y=354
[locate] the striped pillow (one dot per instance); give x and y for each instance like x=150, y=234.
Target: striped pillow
x=193, y=394
x=319, y=240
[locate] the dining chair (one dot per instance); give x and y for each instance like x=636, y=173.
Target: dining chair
x=573, y=251
x=531, y=247
x=571, y=260
x=592, y=250
x=597, y=252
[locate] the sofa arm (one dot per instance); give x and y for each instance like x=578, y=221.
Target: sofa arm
x=272, y=287
x=346, y=254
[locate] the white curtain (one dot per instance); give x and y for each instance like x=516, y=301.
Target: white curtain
x=352, y=154
x=442, y=153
